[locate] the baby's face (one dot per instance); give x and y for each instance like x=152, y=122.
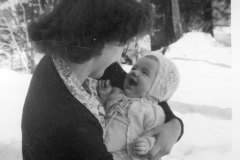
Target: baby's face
x=140, y=79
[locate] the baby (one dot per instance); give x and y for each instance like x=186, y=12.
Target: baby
x=130, y=112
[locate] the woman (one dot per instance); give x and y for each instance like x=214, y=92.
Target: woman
x=80, y=38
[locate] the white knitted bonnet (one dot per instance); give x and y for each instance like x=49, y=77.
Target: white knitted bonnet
x=167, y=79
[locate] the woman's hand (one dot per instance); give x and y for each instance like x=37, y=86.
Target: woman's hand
x=166, y=136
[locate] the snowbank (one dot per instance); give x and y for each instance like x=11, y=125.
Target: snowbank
x=200, y=46
x=205, y=69
x=13, y=89
x=205, y=95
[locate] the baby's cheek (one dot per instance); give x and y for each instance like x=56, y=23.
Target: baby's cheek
x=130, y=93
x=126, y=93
x=138, y=94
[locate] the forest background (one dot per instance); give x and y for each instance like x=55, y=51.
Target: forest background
x=173, y=18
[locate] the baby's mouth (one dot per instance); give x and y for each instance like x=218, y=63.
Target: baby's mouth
x=132, y=82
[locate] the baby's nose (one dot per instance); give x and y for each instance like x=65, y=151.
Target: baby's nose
x=135, y=73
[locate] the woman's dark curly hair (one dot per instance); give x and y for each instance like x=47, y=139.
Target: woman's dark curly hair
x=79, y=29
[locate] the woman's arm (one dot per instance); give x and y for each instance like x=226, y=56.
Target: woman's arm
x=170, y=116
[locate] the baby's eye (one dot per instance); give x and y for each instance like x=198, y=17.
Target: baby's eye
x=145, y=73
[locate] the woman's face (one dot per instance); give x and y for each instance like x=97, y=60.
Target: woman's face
x=111, y=53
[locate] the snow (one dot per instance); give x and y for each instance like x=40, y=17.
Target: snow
x=205, y=67
x=13, y=89
x=202, y=101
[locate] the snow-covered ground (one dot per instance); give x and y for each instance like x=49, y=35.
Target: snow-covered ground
x=202, y=101
x=13, y=89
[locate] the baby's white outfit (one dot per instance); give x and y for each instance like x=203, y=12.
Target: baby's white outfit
x=126, y=120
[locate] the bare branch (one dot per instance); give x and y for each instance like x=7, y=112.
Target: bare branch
x=6, y=44
x=15, y=42
x=24, y=15
x=4, y=29
x=40, y=7
x=7, y=29
x=10, y=13
x=18, y=26
x=20, y=36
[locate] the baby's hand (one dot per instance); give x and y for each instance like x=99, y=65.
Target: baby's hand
x=141, y=146
x=104, y=88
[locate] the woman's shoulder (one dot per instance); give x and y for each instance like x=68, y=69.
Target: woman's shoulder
x=45, y=67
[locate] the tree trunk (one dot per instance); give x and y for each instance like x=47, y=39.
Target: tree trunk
x=168, y=27
x=207, y=16
x=176, y=18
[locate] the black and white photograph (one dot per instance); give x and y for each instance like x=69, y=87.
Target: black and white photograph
x=119, y=80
